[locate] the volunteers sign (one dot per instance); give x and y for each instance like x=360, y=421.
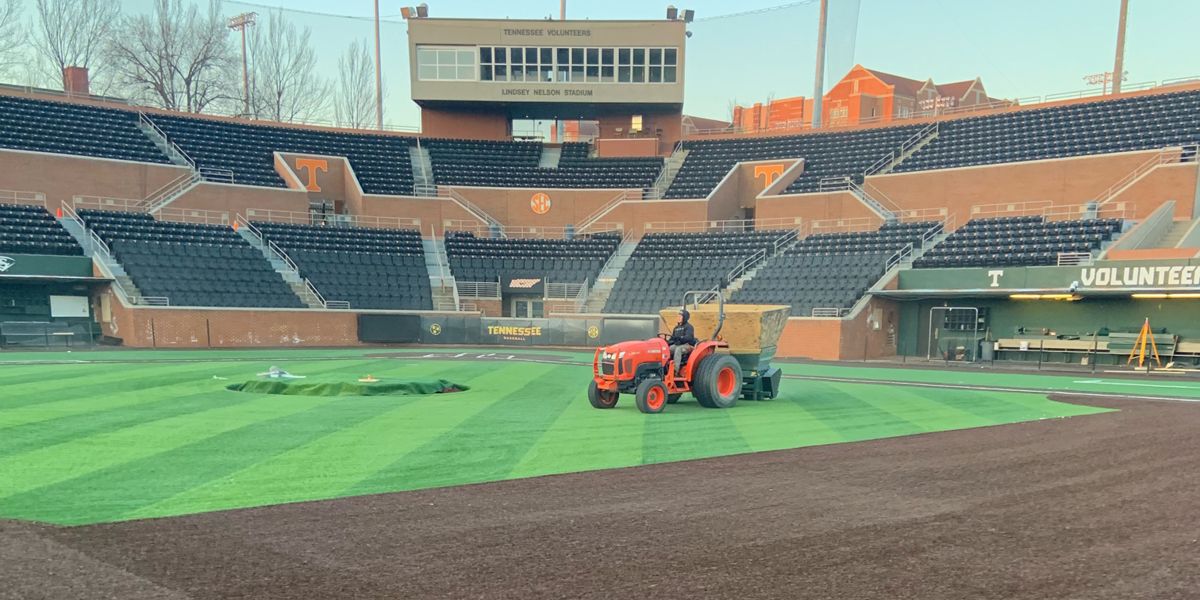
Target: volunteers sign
x=1105, y=275
x=1151, y=276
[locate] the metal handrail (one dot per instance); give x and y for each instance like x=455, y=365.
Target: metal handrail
x=21, y=197
x=145, y=120
x=293, y=217
x=273, y=248
x=898, y=257
x=785, y=239
x=1164, y=156
x=746, y=265
x=479, y=214
x=604, y=210
x=478, y=289
x=100, y=250
x=160, y=198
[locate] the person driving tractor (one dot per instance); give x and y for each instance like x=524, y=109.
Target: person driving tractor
x=682, y=340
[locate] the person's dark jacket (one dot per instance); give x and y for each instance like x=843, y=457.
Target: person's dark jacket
x=683, y=333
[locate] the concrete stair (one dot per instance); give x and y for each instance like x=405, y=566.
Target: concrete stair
x=667, y=176
x=441, y=281
x=107, y=262
x=741, y=281
x=168, y=149
x=1175, y=234
x=422, y=170
x=550, y=157
x=290, y=276
x=602, y=289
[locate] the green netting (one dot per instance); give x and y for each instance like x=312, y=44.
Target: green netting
x=352, y=388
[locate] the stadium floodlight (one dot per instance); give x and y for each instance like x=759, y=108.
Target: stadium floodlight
x=240, y=23
x=672, y=12
x=422, y=11
x=688, y=15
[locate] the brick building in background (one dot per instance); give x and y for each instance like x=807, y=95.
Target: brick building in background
x=865, y=96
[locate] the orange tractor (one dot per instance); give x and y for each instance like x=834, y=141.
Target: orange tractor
x=713, y=374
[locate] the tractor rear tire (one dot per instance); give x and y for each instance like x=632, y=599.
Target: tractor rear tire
x=601, y=398
x=673, y=398
x=718, y=381
x=651, y=396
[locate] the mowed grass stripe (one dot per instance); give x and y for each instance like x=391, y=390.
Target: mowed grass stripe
x=486, y=446
x=583, y=438
x=161, y=404
x=689, y=430
x=327, y=466
x=843, y=408
x=104, y=493
x=109, y=380
x=782, y=422
x=105, y=398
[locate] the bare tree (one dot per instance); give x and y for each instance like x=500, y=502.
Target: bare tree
x=354, y=100
x=285, y=83
x=177, y=57
x=72, y=33
x=12, y=36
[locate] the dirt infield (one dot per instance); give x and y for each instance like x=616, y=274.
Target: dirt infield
x=1101, y=506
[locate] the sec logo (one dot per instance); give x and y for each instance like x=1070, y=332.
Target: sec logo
x=436, y=329
x=540, y=203
x=593, y=332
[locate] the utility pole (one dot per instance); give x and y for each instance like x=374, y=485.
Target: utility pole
x=1119, y=64
x=378, y=75
x=819, y=84
x=562, y=10
x=240, y=23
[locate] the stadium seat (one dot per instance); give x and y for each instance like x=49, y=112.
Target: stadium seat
x=557, y=261
x=367, y=267
x=62, y=128
x=191, y=264
x=29, y=229
x=1017, y=241
x=665, y=265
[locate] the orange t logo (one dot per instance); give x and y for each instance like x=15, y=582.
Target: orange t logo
x=769, y=173
x=312, y=165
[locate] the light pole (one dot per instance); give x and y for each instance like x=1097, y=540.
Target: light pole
x=819, y=84
x=378, y=75
x=240, y=23
x=1119, y=63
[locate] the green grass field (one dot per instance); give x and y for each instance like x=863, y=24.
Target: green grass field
x=120, y=439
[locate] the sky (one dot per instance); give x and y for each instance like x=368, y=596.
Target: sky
x=752, y=50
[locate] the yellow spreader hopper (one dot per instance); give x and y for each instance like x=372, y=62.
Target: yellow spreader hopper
x=752, y=332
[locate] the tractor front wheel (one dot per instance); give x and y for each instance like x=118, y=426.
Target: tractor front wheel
x=601, y=398
x=717, y=382
x=651, y=396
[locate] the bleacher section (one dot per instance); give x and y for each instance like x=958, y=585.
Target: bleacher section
x=515, y=164
x=28, y=229
x=553, y=261
x=1017, y=241
x=367, y=267
x=665, y=265
x=381, y=162
x=1127, y=124
x=831, y=270
x=192, y=265
x=63, y=128
x=825, y=155
x=1121, y=125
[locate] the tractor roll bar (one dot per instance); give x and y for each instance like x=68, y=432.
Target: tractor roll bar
x=695, y=295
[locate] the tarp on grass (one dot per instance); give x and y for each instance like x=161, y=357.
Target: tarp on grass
x=339, y=388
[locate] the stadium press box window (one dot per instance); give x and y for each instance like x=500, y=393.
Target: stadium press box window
x=576, y=65
x=448, y=63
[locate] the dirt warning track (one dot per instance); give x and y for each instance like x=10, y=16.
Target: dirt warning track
x=1101, y=506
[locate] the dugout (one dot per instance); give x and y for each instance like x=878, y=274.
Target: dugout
x=1065, y=315
x=47, y=301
